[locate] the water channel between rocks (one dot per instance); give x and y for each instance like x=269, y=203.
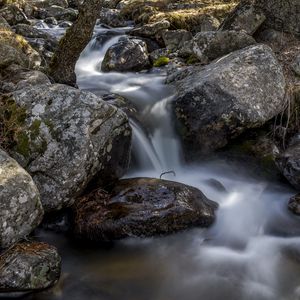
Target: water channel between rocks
x=251, y=252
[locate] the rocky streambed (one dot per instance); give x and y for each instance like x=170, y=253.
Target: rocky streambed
x=170, y=172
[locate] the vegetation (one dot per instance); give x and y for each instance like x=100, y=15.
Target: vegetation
x=161, y=61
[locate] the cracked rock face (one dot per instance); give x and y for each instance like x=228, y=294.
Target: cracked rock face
x=29, y=267
x=218, y=102
x=142, y=207
x=20, y=207
x=71, y=137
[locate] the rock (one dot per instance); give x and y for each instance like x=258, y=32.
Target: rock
x=13, y=15
x=29, y=267
x=288, y=163
x=112, y=17
x=281, y=15
x=3, y=23
x=69, y=138
x=20, y=207
x=60, y=13
x=18, y=78
x=102, y=37
x=10, y=55
x=156, y=54
x=150, y=30
x=244, y=17
x=49, y=3
x=142, y=207
x=218, y=102
x=206, y=23
x=294, y=204
x=31, y=32
x=213, y=44
x=126, y=55
x=51, y=21
x=174, y=39
x=65, y=24
x=14, y=49
x=296, y=65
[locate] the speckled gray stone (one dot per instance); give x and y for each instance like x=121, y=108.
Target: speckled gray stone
x=29, y=267
x=73, y=137
x=218, y=102
x=20, y=207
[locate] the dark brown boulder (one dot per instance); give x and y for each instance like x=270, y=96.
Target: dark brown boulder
x=142, y=207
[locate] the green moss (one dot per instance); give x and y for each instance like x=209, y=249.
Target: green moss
x=35, y=129
x=192, y=59
x=12, y=121
x=161, y=61
x=22, y=146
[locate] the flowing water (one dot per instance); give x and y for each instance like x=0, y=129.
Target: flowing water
x=251, y=252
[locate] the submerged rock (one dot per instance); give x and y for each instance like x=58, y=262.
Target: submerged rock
x=29, y=267
x=69, y=138
x=142, y=207
x=126, y=55
x=20, y=207
x=218, y=102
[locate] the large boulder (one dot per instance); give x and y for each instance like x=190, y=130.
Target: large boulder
x=61, y=13
x=210, y=45
x=142, y=207
x=244, y=17
x=217, y=102
x=69, y=137
x=126, y=55
x=29, y=267
x=289, y=163
x=20, y=207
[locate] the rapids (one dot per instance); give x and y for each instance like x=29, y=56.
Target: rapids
x=251, y=252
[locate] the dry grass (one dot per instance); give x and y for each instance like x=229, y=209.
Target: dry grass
x=288, y=123
x=181, y=14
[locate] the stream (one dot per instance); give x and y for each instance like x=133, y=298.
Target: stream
x=251, y=252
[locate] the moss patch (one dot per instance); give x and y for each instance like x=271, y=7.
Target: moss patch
x=12, y=121
x=161, y=61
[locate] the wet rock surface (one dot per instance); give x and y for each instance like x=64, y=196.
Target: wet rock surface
x=142, y=207
x=126, y=55
x=218, y=102
x=29, y=267
x=20, y=206
x=70, y=137
x=294, y=204
x=289, y=163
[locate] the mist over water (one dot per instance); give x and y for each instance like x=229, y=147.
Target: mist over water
x=251, y=252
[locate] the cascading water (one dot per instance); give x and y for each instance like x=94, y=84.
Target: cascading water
x=251, y=252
